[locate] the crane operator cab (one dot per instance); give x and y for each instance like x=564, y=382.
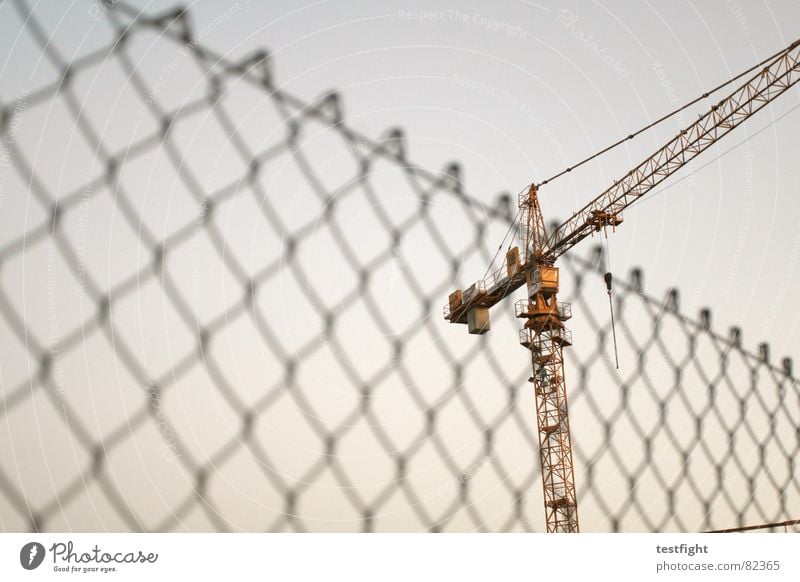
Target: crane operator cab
x=544, y=279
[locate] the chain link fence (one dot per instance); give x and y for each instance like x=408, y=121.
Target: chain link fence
x=220, y=311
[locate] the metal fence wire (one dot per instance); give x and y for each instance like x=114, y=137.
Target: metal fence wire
x=220, y=311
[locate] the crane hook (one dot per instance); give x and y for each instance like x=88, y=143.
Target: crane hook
x=608, y=279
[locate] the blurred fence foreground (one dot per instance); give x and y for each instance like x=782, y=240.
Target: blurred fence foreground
x=220, y=311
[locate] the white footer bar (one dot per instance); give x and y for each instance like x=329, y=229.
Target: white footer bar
x=401, y=557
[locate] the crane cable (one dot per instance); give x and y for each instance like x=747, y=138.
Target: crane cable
x=608, y=280
x=613, y=327
x=640, y=201
x=513, y=226
x=664, y=118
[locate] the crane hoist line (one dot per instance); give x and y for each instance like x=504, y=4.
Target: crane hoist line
x=533, y=265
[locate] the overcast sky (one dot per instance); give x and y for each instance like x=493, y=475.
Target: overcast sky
x=513, y=91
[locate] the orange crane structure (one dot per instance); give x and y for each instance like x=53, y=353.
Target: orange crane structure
x=544, y=333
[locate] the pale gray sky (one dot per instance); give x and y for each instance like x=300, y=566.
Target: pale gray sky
x=514, y=92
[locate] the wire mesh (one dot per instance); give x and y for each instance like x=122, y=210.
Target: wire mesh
x=220, y=311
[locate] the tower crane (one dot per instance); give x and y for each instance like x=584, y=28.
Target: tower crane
x=544, y=334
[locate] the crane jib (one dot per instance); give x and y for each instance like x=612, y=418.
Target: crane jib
x=770, y=82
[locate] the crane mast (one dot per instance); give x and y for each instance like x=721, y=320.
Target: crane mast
x=545, y=336
x=544, y=333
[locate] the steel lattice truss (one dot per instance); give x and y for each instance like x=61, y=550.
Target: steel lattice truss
x=773, y=80
x=221, y=352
